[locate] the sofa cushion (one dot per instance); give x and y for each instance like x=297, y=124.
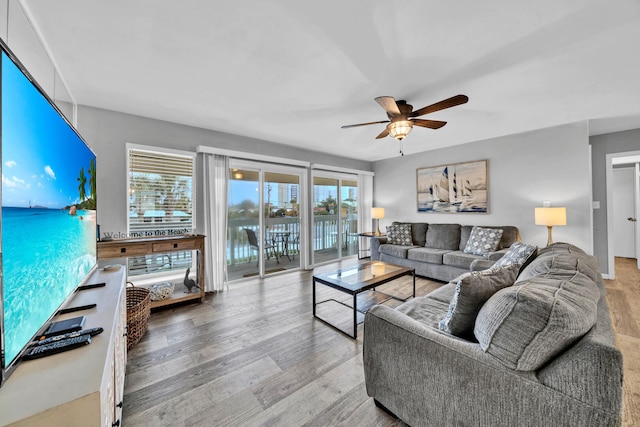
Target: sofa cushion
x=443, y=236
x=483, y=240
x=510, y=235
x=526, y=325
x=518, y=254
x=397, y=251
x=418, y=231
x=465, y=232
x=459, y=259
x=430, y=255
x=424, y=309
x=444, y=293
x=399, y=234
x=472, y=291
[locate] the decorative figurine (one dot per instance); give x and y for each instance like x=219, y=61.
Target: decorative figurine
x=189, y=283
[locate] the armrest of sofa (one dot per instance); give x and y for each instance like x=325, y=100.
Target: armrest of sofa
x=481, y=264
x=416, y=371
x=375, y=246
x=488, y=260
x=495, y=256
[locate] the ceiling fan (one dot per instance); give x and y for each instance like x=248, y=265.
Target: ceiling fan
x=402, y=118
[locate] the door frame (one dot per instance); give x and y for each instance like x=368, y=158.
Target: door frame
x=301, y=172
x=611, y=274
x=339, y=176
x=624, y=176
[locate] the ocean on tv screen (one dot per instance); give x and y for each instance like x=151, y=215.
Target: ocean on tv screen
x=38, y=272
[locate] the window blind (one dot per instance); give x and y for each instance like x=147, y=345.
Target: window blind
x=160, y=193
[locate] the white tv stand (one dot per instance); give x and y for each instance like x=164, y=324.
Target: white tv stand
x=80, y=387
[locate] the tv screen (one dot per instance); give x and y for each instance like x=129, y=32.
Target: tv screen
x=48, y=210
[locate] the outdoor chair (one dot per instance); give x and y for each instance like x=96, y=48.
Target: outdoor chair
x=293, y=245
x=269, y=248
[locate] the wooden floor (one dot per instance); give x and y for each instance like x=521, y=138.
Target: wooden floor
x=254, y=355
x=623, y=296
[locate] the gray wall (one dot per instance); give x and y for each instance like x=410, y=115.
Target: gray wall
x=524, y=169
x=107, y=132
x=618, y=142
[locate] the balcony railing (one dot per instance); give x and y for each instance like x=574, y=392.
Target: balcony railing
x=325, y=234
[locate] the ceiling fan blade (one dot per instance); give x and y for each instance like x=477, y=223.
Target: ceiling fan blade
x=389, y=104
x=447, y=103
x=364, y=124
x=383, y=133
x=431, y=124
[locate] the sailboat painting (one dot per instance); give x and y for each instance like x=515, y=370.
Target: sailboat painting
x=459, y=187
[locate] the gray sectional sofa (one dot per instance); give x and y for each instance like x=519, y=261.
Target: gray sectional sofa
x=542, y=351
x=437, y=250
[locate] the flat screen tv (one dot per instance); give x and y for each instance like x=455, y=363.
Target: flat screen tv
x=48, y=228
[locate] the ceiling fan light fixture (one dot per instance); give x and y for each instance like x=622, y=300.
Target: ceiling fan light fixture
x=400, y=129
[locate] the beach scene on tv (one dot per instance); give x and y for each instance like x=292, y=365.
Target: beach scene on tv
x=48, y=209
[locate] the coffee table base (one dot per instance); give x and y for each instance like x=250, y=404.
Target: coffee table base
x=379, y=298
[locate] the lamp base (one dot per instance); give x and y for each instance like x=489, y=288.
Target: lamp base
x=549, y=237
x=377, y=232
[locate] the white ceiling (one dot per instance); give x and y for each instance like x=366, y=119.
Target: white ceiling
x=293, y=71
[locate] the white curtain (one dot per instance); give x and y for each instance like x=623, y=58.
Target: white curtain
x=365, y=202
x=215, y=180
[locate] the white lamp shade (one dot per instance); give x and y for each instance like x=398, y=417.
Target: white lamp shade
x=551, y=216
x=377, y=213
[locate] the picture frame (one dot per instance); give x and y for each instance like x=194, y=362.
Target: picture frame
x=453, y=188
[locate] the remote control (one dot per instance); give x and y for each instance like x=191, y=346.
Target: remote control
x=91, y=286
x=90, y=331
x=57, y=347
x=74, y=309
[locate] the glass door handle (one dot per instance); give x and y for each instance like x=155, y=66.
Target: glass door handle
x=631, y=219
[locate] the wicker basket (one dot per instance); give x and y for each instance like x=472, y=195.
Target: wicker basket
x=138, y=312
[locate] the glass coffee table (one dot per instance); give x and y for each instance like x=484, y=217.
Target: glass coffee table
x=354, y=281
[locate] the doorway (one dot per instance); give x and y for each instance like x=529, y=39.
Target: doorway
x=616, y=212
x=264, y=222
x=624, y=217
x=335, y=216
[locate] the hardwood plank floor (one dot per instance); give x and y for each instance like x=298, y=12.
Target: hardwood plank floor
x=623, y=296
x=254, y=355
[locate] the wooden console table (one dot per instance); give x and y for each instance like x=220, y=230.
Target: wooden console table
x=139, y=247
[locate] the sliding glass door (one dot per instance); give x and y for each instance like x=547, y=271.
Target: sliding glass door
x=264, y=232
x=335, y=216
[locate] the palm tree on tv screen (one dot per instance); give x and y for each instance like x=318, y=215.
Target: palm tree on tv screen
x=82, y=180
x=92, y=179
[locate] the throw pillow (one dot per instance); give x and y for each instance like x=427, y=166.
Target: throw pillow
x=399, y=234
x=483, y=240
x=518, y=254
x=472, y=291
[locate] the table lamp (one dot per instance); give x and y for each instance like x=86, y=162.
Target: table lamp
x=377, y=214
x=551, y=217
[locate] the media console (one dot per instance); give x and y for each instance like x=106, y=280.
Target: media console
x=82, y=387
x=125, y=248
